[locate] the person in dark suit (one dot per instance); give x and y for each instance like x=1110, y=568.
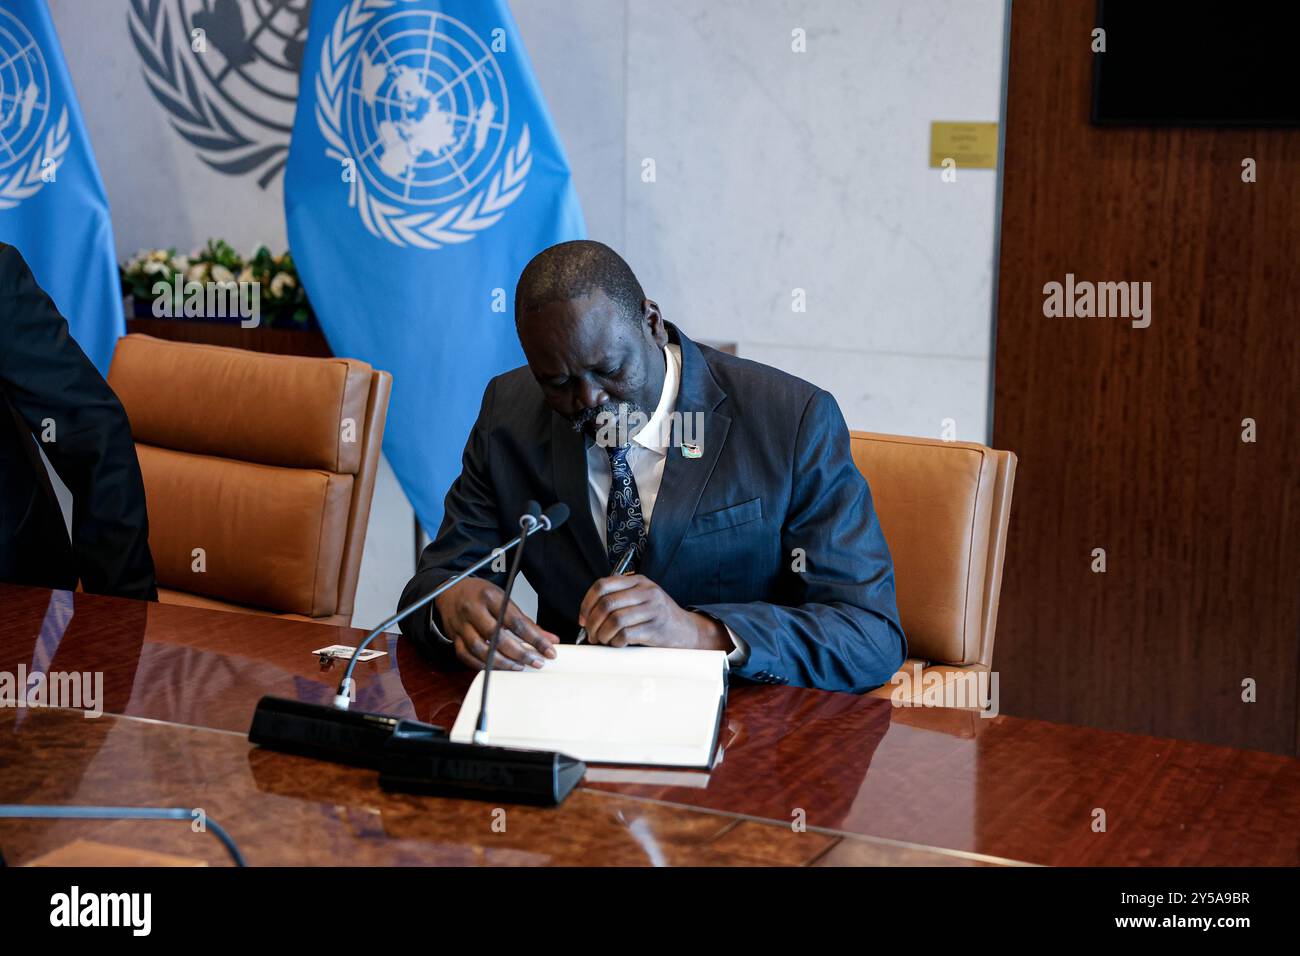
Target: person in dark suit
x=48, y=388
x=754, y=530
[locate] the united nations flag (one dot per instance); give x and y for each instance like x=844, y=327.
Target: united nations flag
x=52, y=202
x=423, y=174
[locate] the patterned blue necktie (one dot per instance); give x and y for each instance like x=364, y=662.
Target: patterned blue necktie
x=624, y=523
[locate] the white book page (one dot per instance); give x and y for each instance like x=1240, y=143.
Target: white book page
x=606, y=705
x=641, y=661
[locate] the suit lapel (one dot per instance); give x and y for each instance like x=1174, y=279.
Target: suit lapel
x=569, y=473
x=684, y=478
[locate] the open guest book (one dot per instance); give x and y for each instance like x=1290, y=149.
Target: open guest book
x=627, y=705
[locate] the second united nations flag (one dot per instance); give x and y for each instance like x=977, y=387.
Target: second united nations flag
x=423, y=174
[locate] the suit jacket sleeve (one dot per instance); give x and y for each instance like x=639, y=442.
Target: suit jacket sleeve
x=470, y=529
x=49, y=381
x=839, y=628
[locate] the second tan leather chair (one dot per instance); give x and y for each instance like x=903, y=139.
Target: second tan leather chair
x=944, y=508
x=258, y=470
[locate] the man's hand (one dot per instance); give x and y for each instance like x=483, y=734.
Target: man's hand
x=632, y=609
x=469, y=612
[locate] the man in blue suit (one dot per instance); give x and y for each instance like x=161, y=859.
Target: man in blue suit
x=754, y=530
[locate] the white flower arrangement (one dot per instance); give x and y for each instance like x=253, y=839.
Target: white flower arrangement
x=284, y=301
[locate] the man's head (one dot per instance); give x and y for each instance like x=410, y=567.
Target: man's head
x=593, y=341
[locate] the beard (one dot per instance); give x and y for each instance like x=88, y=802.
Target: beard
x=612, y=418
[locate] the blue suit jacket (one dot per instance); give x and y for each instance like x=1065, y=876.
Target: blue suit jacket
x=775, y=475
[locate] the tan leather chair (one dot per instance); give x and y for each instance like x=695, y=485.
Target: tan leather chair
x=944, y=508
x=258, y=472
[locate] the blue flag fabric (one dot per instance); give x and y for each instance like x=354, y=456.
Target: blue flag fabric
x=52, y=202
x=423, y=174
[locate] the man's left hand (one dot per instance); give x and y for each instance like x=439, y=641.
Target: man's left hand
x=632, y=609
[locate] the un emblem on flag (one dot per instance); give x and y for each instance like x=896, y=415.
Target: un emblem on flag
x=415, y=101
x=226, y=72
x=31, y=146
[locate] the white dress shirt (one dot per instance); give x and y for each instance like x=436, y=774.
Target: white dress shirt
x=647, y=454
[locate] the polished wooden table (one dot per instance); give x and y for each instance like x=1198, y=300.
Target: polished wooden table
x=807, y=777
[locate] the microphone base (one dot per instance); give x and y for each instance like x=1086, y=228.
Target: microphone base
x=439, y=767
x=352, y=737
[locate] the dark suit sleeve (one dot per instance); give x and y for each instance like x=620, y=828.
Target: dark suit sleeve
x=840, y=629
x=51, y=384
x=469, y=531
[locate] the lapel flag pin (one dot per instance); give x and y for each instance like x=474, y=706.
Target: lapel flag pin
x=691, y=450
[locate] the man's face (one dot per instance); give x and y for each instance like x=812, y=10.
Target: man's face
x=591, y=362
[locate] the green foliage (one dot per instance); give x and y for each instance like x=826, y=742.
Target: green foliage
x=284, y=302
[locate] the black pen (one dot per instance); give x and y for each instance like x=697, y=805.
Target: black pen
x=620, y=568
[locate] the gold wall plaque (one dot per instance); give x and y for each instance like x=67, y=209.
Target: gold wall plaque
x=971, y=145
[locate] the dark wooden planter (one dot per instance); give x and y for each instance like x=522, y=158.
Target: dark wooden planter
x=278, y=341
x=231, y=334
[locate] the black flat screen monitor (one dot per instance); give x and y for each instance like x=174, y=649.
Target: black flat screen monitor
x=1197, y=63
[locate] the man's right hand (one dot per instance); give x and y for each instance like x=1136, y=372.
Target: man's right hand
x=469, y=612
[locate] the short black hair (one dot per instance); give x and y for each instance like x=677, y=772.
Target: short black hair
x=572, y=270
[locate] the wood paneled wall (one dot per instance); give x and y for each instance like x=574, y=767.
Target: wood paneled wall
x=1130, y=439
